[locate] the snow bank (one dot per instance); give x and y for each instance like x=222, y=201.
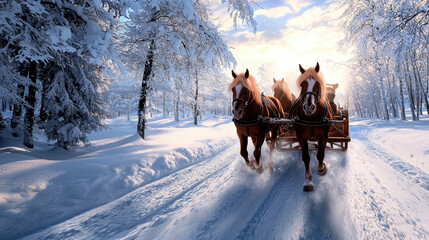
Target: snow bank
x=45, y=186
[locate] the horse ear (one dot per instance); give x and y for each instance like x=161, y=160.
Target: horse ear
x=233, y=74
x=302, y=70
x=317, y=67
x=335, y=86
x=246, y=74
x=274, y=80
x=283, y=79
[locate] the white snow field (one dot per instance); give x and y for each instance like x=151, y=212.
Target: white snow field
x=189, y=182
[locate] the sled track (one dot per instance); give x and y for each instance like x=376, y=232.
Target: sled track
x=412, y=172
x=142, y=205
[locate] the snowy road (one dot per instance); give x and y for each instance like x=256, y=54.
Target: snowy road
x=369, y=192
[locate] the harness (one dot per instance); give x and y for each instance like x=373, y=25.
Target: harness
x=272, y=111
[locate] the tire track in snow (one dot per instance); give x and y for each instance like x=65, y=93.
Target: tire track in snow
x=139, y=206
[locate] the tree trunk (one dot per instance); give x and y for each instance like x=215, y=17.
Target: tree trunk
x=409, y=86
x=147, y=75
x=164, y=105
x=392, y=97
x=176, y=102
x=374, y=103
x=46, y=81
x=424, y=93
x=401, y=93
x=411, y=96
x=383, y=95
x=29, y=111
x=196, y=112
x=2, y=123
x=17, y=107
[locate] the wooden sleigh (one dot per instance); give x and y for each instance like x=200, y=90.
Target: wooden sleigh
x=339, y=136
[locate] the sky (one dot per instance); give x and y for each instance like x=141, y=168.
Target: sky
x=289, y=32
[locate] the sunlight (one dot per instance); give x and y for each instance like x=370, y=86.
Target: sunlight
x=308, y=36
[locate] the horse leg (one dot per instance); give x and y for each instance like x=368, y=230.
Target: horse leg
x=308, y=185
x=322, y=169
x=259, y=165
x=272, y=145
x=243, y=150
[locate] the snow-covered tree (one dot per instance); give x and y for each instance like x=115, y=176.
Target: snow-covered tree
x=172, y=41
x=68, y=46
x=84, y=54
x=390, y=42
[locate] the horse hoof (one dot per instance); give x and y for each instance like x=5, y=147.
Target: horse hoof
x=270, y=169
x=251, y=164
x=260, y=169
x=323, y=170
x=308, y=187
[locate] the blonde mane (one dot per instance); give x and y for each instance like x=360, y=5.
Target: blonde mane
x=318, y=76
x=248, y=83
x=283, y=87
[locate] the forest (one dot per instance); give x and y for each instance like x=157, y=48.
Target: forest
x=67, y=66
x=390, y=68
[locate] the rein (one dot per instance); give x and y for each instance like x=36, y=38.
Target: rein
x=260, y=118
x=296, y=120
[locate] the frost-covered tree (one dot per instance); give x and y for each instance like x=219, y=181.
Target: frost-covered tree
x=84, y=54
x=390, y=39
x=171, y=41
x=68, y=46
x=24, y=44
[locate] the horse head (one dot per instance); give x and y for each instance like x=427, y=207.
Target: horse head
x=245, y=92
x=312, y=87
x=282, y=92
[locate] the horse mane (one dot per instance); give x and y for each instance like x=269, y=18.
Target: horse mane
x=318, y=76
x=283, y=87
x=249, y=83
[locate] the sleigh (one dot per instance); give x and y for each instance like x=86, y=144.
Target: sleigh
x=338, y=135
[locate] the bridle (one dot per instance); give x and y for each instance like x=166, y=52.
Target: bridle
x=246, y=103
x=317, y=96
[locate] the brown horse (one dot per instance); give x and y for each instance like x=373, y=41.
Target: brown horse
x=282, y=93
x=249, y=108
x=311, y=113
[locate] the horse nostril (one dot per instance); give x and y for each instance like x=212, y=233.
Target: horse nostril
x=233, y=111
x=240, y=112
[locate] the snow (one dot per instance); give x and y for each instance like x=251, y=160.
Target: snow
x=189, y=182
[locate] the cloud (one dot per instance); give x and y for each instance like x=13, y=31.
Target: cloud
x=305, y=39
x=317, y=16
x=297, y=5
x=275, y=12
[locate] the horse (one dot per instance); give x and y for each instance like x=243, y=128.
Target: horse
x=311, y=113
x=282, y=93
x=250, y=106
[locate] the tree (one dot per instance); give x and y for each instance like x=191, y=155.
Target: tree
x=175, y=39
x=391, y=37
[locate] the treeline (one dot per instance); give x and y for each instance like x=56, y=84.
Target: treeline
x=390, y=73
x=58, y=57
